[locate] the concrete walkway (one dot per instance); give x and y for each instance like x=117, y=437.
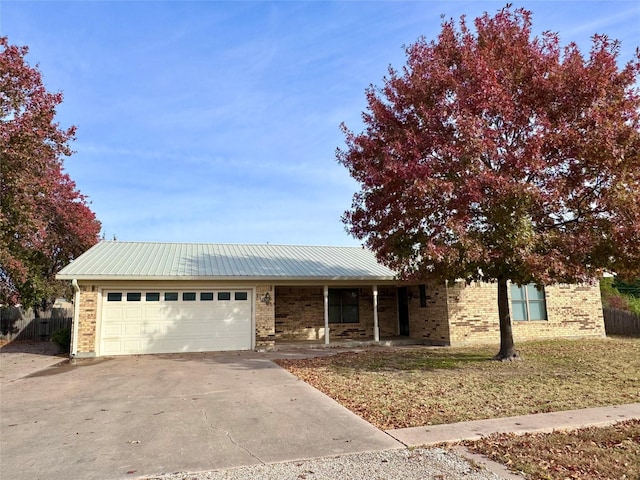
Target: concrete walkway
x=541, y=422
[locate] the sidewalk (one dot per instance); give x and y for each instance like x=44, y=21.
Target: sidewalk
x=540, y=422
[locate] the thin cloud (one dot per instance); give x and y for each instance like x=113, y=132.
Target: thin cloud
x=218, y=121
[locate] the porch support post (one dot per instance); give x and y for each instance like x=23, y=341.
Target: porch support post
x=376, y=329
x=326, y=314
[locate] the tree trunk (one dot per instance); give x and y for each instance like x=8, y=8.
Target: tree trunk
x=507, y=348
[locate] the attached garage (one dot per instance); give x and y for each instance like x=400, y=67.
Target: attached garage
x=170, y=320
x=147, y=298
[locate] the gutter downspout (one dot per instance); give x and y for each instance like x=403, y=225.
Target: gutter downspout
x=76, y=317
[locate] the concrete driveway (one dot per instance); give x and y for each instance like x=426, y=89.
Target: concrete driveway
x=127, y=417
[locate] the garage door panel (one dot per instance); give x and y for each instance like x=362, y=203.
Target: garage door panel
x=152, y=312
x=131, y=346
x=112, y=329
x=113, y=313
x=110, y=347
x=227, y=328
x=176, y=326
x=133, y=313
x=132, y=329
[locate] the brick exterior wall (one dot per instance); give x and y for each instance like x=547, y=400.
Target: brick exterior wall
x=453, y=315
x=299, y=314
x=265, y=317
x=473, y=313
x=87, y=321
x=572, y=311
x=431, y=322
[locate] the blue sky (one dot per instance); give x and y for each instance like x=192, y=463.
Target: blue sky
x=219, y=121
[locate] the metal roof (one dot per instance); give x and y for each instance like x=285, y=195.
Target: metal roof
x=115, y=260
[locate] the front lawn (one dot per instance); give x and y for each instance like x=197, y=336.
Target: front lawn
x=400, y=387
x=586, y=454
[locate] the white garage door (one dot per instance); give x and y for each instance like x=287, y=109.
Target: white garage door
x=170, y=321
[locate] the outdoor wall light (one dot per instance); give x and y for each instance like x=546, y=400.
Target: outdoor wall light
x=266, y=299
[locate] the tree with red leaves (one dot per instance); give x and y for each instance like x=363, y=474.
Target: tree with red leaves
x=45, y=221
x=495, y=155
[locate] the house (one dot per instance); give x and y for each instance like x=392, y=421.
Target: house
x=136, y=297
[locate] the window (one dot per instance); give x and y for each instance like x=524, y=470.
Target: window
x=240, y=295
x=343, y=305
x=206, y=296
x=224, y=295
x=134, y=296
x=188, y=296
x=170, y=296
x=152, y=297
x=423, y=295
x=528, y=303
x=114, y=297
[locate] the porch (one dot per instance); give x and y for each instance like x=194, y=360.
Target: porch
x=348, y=314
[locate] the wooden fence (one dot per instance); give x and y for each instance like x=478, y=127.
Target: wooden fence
x=621, y=322
x=16, y=324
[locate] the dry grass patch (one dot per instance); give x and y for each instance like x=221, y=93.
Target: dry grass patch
x=586, y=454
x=396, y=388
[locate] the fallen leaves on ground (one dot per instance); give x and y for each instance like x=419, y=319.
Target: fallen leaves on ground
x=596, y=453
x=397, y=388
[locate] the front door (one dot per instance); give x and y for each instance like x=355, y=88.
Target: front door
x=403, y=310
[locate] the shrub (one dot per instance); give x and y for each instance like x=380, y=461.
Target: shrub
x=62, y=338
x=613, y=298
x=618, y=302
x=634, y=305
